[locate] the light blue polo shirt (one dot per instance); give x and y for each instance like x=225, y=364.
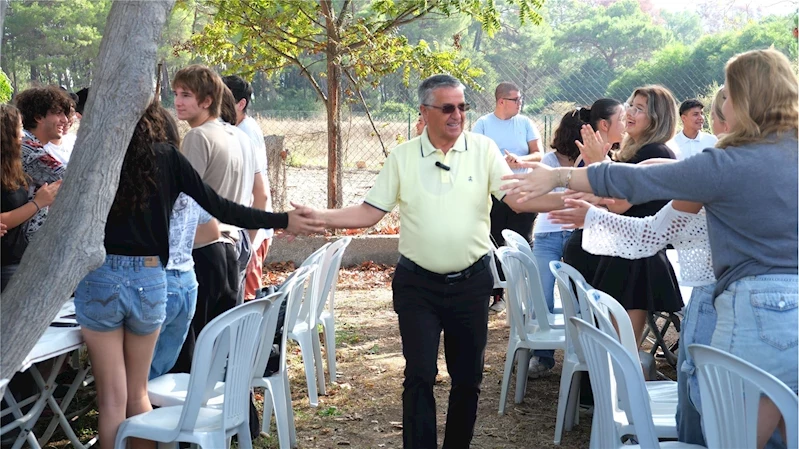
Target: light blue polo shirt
x=512, y=134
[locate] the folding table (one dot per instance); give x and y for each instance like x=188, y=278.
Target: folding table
x=60, y=340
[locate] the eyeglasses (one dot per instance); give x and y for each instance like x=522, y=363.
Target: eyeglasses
x=633, y=110
x=450, y=108
x=515, y=100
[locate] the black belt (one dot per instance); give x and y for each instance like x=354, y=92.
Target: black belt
x=449, y=278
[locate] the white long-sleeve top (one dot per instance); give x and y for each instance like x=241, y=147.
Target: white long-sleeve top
x=609, y=234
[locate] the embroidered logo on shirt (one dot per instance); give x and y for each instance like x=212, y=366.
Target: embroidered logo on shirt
x=470, y=179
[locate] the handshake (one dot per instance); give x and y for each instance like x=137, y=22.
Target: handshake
x=304, y=220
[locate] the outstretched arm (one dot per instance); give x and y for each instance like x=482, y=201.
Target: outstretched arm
x=363, y=215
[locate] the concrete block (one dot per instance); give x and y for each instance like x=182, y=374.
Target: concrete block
x=376, y=248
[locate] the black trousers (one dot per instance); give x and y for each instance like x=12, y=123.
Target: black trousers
x=503, y=217
x=217, y=269
x=425, y=308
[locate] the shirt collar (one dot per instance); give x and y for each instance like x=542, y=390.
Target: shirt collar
x=684, y=137
x=428, y=148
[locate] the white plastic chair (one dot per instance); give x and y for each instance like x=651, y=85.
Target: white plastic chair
x=325, y=315
x=171, y=389
x=301, y=326
x=731, y=389
x=662, y=395
x=516, y=241
x=225, y=350
x=612, y=367
x=573, y=361
x=525, y=333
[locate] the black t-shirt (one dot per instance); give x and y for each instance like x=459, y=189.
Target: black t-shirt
x=146, y=233
x=13, y=244
x=649, y=151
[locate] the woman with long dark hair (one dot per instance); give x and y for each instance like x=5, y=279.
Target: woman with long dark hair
x=121, y=305
x=14, y=204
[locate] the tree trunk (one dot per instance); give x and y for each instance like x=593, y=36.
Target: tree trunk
x=3, y=6
x=70, y=244
x=334, y=160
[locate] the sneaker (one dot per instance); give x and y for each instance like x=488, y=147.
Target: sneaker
x=498, y=305
x=539, y=367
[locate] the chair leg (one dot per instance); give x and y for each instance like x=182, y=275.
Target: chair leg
x=267, y=415
x=281, y=416
x=310, y=371
x=572, y=407
x=290, y=411
x=564, y=394
x=243, y=436
x=318, y=361
x=503, y=395
x=523, y=362
x=330, y=346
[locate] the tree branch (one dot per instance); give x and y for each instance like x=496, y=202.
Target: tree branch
x=366, y=108
x=341, y=14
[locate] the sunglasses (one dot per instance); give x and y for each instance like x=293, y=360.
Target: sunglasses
x=450, y=108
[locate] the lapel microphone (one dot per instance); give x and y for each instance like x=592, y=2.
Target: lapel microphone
x=442, y=166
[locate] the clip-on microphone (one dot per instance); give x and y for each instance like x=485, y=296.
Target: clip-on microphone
x=442, y=166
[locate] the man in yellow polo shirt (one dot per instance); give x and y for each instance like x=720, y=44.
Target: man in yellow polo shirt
x=442, y=182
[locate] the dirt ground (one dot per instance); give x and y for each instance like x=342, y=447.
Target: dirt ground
x=363, y=408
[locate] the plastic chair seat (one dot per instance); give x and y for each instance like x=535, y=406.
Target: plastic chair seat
x=662, y=391
x=171, y=390
x=209, y=419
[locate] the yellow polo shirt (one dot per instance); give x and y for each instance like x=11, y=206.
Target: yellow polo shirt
x=444, y=215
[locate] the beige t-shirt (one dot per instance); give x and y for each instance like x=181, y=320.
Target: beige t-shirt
x=215, y=151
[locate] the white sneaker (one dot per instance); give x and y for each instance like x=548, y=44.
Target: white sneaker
x=498, y=306
x=536, y=369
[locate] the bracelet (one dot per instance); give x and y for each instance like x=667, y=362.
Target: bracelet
x=37, y=205
x=568, y=177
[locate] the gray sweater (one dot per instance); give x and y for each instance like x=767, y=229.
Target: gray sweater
x=749, y=193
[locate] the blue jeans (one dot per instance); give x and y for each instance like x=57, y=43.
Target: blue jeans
x=548, y=246
x=125, y=291
x=698, y=324
x=758, y=321
x=180, y=306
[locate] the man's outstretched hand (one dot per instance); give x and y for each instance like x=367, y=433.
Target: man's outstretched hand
x=303, y=221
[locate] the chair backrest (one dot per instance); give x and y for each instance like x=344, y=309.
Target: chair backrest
x=234, y=336
x=315, y=286
x=271, y=320
x=563, y=273
x=608, y=361
x=294, y=301
x=608, y=308
x=515, y=240
x=524, y=289
x=731, y=389
x=568, y=298
x=331, y=263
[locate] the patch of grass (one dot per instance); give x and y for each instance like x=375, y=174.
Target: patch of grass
x=374, y=350
x=329, y=411
x=348, y=334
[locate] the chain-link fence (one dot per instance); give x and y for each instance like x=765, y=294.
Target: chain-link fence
x=301, y=137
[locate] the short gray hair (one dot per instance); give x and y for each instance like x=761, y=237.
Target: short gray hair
x=434, y=82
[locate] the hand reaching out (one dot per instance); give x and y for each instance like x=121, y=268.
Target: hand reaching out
x=573, y=217
x=3, y=229
x=304, y=220
x=588, y=197
x=540, y=180
x=512, y=160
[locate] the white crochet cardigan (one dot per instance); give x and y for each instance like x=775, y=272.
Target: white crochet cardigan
x=609, y=234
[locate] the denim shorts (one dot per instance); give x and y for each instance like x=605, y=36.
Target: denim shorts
x=698, y=325
x=125, y=290
x=758, y=322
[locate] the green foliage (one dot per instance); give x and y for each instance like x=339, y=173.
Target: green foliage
x=393, y=109
x=53, y=42
x=5, y=88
